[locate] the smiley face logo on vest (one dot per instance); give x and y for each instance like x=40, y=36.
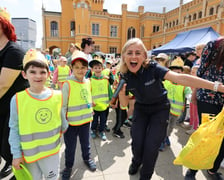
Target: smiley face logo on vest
x=84, y=94
x=43, y=115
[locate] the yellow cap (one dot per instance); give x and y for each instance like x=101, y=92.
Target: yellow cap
x=96, y=59
x=178, y=62
x=5, y=14
x=77, y=45
x=33, y=55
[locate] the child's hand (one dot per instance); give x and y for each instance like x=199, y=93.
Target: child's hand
x=105, y=77
x=115, y=84
x=94, y=104
x=16, y=163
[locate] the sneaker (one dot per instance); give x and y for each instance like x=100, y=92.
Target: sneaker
x=103, y=136
x=189, y=132
x=185, y=126
x=215, y=176
x=190, y=175
x=167, y=141
x=127, y=124
x=6, y=170
x=90, y=164
x=93, y=134
x=162, y=147
x=222, y=164
x=119, y=134
x=107, y=129
x=66, y=173
x=133, y=169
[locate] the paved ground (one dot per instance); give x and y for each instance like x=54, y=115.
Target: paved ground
x=114, y=155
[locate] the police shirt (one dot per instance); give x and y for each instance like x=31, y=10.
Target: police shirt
x=146, y=85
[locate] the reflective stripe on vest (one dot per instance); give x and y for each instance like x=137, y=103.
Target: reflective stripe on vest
x=63, y=73
x=39, y=125
x=79, y=103
x=100, y=93
x=176, y=97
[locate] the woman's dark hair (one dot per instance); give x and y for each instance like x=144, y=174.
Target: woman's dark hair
x=218, y=58
x=36, y=63
x=8, y=29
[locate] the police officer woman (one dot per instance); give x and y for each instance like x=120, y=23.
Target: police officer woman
x=151, y=112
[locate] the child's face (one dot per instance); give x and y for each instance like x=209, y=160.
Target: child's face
x=97, y=69
x=79, y=71
x=36, y=76
x=177, y=70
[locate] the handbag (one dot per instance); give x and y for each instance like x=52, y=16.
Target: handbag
x=203, y=145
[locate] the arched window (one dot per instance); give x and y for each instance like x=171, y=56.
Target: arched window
x=211, y=11
x=200, y=15
x=54, y=29
x=72, y=28
x=177, y=21
x=131, y=32
x=194, y=16
x=189, y=18
x=173, y=23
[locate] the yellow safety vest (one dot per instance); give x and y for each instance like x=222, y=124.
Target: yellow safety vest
x=63, y=73
x=100, y=93
x=39, y=125
x=106, y=72
x=176, y=97
x=79, y=103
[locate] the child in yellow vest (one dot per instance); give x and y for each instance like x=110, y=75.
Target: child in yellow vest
x=101, y=94
x=61, y=73
x=37, y=121
x=176, y=94
x=77, y=102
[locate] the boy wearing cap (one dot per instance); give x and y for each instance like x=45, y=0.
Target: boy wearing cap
x=61, y=73
x=37, y=121
x=176, y=94
x=77, y=103
x=101, y=94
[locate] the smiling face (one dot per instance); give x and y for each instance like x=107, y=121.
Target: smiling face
x=36, y=76
x=79, y=70
x=134, y=57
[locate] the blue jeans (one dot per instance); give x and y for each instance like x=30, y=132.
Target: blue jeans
x=103, y=118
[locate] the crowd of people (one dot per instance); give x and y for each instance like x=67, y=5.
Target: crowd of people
x=43, y=98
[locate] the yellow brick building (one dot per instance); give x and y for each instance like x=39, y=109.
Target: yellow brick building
x=82, y=18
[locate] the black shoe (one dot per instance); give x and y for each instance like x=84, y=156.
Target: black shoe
x=127, y=124
x=119, y=134
x=215, y=176
x=133, y=169
x=66, y=173
x=90, y=164
x=190, y=175
x=6, y=170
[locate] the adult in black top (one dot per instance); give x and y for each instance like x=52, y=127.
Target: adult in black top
x=151, y=112
x=11, y=81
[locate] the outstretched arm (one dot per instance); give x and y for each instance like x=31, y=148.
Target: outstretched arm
x=193, y=81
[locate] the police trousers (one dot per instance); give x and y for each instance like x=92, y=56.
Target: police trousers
x=148, y=131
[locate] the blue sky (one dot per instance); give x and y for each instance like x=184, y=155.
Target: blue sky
x=32, y=8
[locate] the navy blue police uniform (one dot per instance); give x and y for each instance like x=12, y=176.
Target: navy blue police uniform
x=150, y=117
